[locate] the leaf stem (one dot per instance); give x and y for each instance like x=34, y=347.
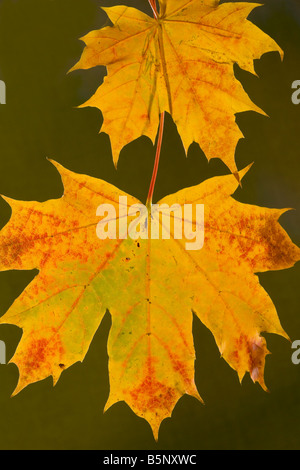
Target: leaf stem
x=157, y=158
x=154, y=7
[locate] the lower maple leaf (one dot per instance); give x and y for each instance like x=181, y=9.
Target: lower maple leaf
x=150, y=286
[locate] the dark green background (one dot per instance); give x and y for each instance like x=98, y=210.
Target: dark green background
x=38, y=45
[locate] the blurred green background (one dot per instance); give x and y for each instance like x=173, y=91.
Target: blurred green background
x=38, y=45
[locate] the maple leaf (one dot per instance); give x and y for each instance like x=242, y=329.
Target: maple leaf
x=151, y=287
x=182, y=63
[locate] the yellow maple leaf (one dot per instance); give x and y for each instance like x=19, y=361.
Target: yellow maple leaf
x=180, y=62
x=150, y=286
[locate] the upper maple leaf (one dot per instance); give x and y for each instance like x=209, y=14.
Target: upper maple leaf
x=182, y=63
x=149, y=286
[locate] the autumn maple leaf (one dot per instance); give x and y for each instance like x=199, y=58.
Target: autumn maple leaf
x=151, y=287
x=180, y=62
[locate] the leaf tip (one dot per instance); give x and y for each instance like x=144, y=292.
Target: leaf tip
x=57, y=165
x=195, y=394
x=110, y=402
x=239, y=175
x=155, y=427
x=72, y=69
x=7, y=199
x=20, y=386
